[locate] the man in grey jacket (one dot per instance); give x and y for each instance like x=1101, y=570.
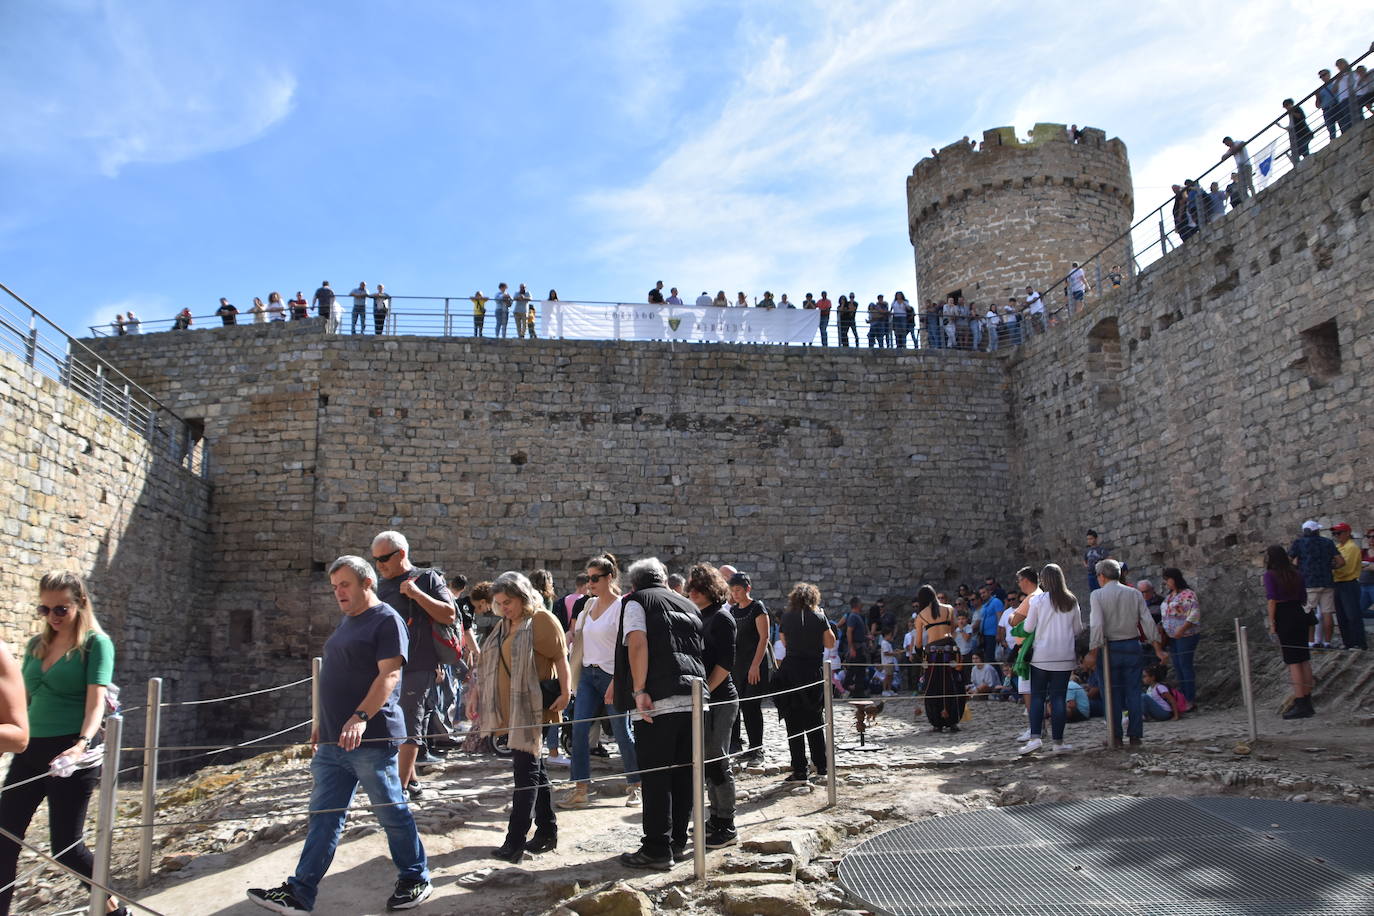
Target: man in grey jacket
x=1119, y=615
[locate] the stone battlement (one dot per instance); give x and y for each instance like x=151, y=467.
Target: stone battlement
x=988, y=222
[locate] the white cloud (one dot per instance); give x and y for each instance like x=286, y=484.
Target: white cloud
x=99, y=87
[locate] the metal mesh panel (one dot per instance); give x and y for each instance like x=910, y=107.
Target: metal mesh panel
x=1123, y=856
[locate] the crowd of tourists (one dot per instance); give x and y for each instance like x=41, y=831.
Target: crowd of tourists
x=422, y=665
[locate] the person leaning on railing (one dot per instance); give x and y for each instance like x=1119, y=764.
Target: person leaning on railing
x=67, y=668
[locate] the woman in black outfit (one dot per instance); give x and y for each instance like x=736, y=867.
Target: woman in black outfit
x=751, y=672
x=806, y=634
x=708, y=591
x=945, y=698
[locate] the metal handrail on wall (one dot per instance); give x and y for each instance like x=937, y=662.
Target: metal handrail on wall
x=1155, y=234
x=44, y=346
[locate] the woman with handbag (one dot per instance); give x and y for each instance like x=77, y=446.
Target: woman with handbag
x=593, y=650
x=516, y=696
x=67, y=669
x=1182, y=622
x=945, y=695
x=753, y=668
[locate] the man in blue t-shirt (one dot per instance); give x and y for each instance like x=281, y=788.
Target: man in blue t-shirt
x=855, y=630
x=992, y=612
x=355, y=741
x=1316, y=557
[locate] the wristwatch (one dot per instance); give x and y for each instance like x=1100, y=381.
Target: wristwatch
x=362, y=716
x=639, y=693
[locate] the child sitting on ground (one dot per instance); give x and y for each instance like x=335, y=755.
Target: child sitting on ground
x=1159, y=699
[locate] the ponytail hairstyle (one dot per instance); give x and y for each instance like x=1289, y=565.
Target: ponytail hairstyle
x=1052, y=583
x=84, y=622
x=607, y=565
x=926, y=598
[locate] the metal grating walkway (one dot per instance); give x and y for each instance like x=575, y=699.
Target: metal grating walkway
x=1123, y=857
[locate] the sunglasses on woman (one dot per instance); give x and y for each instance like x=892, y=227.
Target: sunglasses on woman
x=57, y=610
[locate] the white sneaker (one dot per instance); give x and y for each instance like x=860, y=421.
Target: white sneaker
x=558, y=760
x=632, y=796
x=889, y=693
x=1060, y=748
x=1024, y=736
x=1031, y=746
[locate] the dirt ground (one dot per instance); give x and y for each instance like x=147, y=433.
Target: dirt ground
x=233, y=827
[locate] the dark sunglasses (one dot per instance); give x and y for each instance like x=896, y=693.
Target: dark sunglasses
x=597, y=577
x=387, y=556
x=58, y=610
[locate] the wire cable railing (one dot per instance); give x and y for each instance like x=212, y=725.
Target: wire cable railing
x=44, y=346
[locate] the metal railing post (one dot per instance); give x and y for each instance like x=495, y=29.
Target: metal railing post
x=104, y=841
x=699, y=781
x=1113, y=718
x=125, y=405
x=448, y=328
x=152, y=737
x=1247, y=688
x=315, y=664
x=99, y=386
x=831, y=780
x=31, y=345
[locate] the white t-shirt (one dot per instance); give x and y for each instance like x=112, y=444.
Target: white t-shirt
x=909, y=641
x=634, y=621
x=1035, y=304
x=1078, y=281
x=886, y=649
x=1004, y=622
x=704, y=300
x=779, y=650
x=1054, y=633
x=984, y=676
x=598, y=636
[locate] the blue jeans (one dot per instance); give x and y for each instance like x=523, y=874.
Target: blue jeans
x=591, y=702
x=502, y=318
x=1366, y=599
x=1052, y=686
x=1181, y=650
x=337, y=775
x=1126, y=667
x=359, y=321
x=1348, y=614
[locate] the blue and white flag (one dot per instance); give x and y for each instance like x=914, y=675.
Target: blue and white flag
x=1264, y=165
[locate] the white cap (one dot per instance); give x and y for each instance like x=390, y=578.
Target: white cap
x=1310, y=525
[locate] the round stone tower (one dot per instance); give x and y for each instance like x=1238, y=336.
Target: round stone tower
x=987, y=222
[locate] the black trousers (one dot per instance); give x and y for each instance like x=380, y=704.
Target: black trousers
x=667, y=794
x=803, y=714
x=751, y=714
x=67, y=802
x=531, y=801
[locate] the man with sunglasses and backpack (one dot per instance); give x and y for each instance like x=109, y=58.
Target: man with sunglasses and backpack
x=423, y=599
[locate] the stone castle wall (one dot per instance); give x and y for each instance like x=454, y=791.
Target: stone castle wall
x=84, y=493
x=856, y=471
x=990, y=222
x=1210, y=406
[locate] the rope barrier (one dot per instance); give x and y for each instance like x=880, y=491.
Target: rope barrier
x=127, y=901
x=237, y=696
x=39, y=867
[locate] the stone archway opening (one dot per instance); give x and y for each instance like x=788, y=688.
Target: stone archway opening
x=1106, y=361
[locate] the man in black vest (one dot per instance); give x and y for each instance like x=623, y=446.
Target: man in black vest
x=658, y=656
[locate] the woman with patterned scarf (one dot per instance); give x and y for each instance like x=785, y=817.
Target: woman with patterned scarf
x=525, y=648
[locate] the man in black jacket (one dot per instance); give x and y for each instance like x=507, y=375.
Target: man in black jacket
x=658, y=656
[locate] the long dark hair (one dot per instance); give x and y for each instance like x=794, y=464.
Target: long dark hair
x=926, y=598
x=1277, y=562
x=1052, y=581
x=1173, y=572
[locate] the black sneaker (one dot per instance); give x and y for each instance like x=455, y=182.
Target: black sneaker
x=277, y=899
x=415, y=790
x=721, y=837
x=599, y=751
x=409, y=894
x=639, y=860
x=679, y=850
x=796, y=777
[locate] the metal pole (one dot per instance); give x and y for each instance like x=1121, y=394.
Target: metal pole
x=315, y=664
x=152, y=737
x=699, y=782
x=31, y=346
x=1113, y=720
x=104, y=842
x=448, y=330
x=829, y=693
x=1249, y=688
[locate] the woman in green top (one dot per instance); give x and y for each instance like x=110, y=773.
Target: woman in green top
x=66, y=669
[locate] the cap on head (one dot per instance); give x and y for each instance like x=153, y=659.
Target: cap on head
x=1340, y=528
x=1310, y=525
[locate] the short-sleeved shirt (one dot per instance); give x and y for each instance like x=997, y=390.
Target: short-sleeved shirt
x=1350, y=569
x=57, y=697
x=992, y=612
x=804, y=633
x=854, y=623
x=1079, y=695
x=351, y=655
x=635, y=620
x=1094, y=555
x=718, y=650
x=1275, y=591
x=422, y=656
x=1313, y=553
x=325, y=297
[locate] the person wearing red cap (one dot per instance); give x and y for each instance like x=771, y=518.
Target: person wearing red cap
x=1347, y=579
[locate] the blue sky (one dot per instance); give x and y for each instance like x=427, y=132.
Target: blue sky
x=158, y=154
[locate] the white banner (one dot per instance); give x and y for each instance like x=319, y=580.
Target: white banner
x=689, y=324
